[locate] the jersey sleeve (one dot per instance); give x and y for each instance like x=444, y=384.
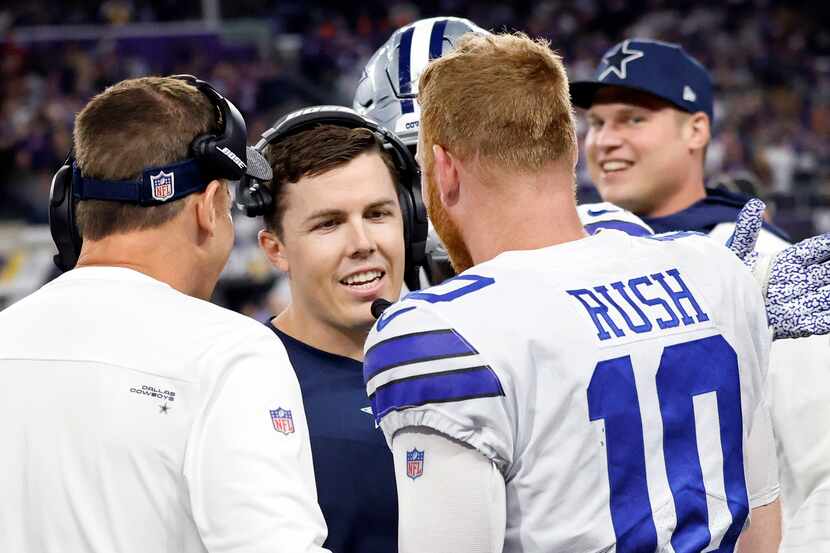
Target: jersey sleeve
x=248, y=463
x=457, y=503
x=762, y=462
x=421, y=370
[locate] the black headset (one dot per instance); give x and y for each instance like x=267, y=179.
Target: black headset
x=212, y=156
x=254, y=198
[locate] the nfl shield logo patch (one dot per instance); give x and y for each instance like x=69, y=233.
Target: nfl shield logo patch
x=414, y=463
x=283, y=421
x=162, y=186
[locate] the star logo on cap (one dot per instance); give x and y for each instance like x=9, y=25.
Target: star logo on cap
x=617, y=60
x=689, y=94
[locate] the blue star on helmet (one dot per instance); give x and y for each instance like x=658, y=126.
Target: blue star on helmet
x=617, y=60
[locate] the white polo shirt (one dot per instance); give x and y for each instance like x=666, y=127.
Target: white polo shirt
x=134, y=418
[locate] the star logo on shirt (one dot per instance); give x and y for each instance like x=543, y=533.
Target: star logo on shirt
x=368, y=411
x=385, y=319
x=164, y=408
x=617, y=60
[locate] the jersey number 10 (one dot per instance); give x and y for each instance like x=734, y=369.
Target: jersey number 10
x=686, y=370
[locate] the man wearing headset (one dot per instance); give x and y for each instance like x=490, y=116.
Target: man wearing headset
x=136, y=416
x=343, y=219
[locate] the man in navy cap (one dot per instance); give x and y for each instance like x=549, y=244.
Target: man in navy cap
x=650, y=116
x=649, y=112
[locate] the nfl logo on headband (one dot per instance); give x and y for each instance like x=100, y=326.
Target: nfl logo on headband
x=162, y=186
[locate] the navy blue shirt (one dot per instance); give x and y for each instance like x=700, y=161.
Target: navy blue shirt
x=719, y=206
x=352, y=464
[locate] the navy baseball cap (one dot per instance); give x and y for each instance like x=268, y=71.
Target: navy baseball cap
x=659, y=68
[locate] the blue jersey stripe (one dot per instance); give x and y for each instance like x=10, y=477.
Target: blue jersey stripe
x=414, y=348
x=436, y=39
x=404, y=70
x=456, y=385
x=627, y=227
x=669, y=236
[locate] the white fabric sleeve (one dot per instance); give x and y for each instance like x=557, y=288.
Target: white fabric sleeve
x=251, y=486
x=762, y=462
x=456, y=503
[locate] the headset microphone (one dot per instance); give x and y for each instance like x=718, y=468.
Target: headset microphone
x=379, y=306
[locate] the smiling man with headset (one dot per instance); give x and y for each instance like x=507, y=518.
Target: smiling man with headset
x=344, y=220
x=135, y=416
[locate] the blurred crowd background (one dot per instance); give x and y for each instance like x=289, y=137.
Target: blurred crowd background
x=770, y=62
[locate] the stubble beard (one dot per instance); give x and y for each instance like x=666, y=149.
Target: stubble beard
x=447, y=230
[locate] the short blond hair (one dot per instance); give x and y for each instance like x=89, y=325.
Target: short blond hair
x=502, y=97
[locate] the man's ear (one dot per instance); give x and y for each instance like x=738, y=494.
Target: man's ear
x=209, y=205
x=445, y=167
x=274, y=250
x=698, y=131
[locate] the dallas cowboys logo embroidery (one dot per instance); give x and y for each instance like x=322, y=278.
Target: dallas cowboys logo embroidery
x=618, y=59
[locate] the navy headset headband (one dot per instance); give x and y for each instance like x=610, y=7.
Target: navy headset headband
x=254, y=198
x=213, y=156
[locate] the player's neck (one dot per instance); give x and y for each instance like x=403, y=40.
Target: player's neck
x=682, y=198
x=165, y=260
x=318, y=334
x=530, y=215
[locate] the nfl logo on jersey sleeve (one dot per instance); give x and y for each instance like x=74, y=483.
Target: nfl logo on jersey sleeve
x=414, y=463
x=162, y=186
x=283, y=421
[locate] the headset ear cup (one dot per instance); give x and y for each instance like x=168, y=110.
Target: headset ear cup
x=406, y=215
x=410, y=274
x=264, y=199
x=202, y=146
x=420, y=226
x=62, y=218
x=415, y=228
x=253, y=198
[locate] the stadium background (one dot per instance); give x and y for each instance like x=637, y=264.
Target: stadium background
x=770, y=62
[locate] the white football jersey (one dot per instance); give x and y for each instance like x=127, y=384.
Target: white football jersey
x=134, y=418
x=612, y=380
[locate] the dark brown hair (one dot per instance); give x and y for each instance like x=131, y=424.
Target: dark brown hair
x=131, y=126
x=314, y=152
